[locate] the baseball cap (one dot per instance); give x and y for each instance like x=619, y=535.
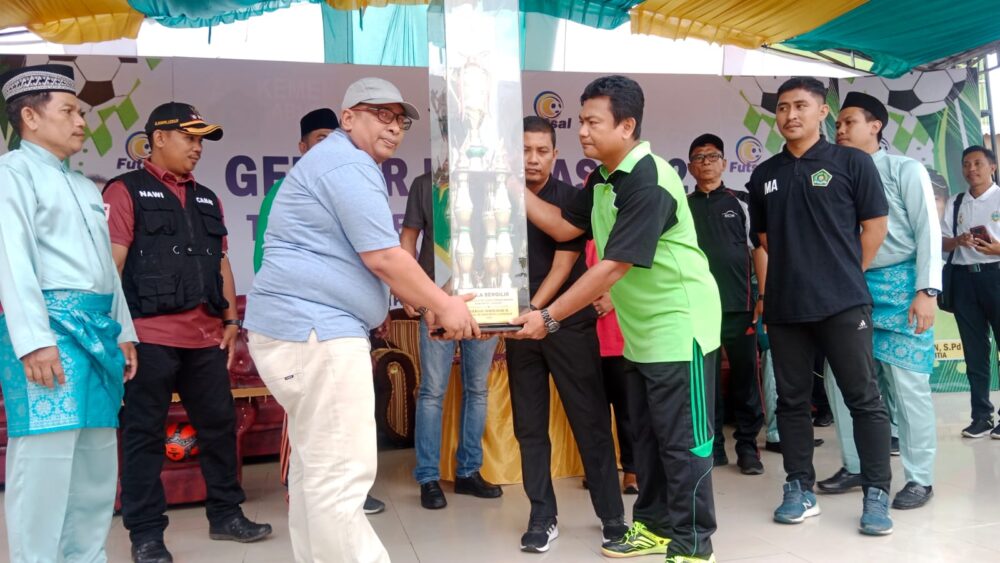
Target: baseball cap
x=377, y=91
x=177, y=116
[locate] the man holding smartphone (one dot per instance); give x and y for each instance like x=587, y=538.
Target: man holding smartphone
x=975, y=241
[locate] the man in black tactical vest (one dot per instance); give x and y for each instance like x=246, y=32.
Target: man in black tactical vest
x=168, y=239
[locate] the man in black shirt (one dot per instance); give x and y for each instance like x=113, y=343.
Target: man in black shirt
x=821, y=214
x=571, y=355
x=722, y=221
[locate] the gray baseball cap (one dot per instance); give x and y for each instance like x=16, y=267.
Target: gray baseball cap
x=377, y=91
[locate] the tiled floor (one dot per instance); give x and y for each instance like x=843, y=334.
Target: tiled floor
x=962, y=523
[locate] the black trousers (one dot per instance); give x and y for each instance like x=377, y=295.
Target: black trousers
x=571, y=355
x=744, y=384
x=613, y=370
x=672, y=431
x=200, y=377
x=846, y=341
x=977, y=310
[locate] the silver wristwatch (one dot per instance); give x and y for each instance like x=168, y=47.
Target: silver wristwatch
x=551, y=325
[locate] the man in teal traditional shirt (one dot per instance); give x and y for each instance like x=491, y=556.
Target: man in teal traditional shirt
x=904, y=280
x=314, y=126
x=66, y=339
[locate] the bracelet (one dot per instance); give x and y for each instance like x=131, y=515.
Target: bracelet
x=531, y=307
x=422, y=311
x=760, y=297
x=233, y=322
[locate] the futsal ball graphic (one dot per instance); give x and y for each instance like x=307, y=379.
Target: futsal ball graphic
x=548, y=105
x=925, y=93
x=182, y=441
x=99, y=79
x=762, y=92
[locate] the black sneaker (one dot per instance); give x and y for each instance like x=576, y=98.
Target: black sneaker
x=541, y=532
x=241, y=529
x=476, y=486
x=613, y=528
x=431, y=496
x=749, y=464
x=978, y=428
x=912, y=496
x=996, y=433
x=894, y=446
x=152, y=551
x=373, y=505
x=823, y=419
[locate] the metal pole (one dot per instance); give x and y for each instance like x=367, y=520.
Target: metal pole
x=989, y=109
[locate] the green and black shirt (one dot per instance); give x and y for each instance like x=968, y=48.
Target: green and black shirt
x=639, y=214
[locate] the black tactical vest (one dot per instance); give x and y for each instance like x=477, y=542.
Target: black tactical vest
x=174, y=263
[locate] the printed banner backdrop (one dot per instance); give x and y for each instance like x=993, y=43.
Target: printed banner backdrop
x=933, y=116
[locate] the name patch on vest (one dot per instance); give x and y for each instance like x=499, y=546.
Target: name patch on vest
x=205, y=200
x=156, y=195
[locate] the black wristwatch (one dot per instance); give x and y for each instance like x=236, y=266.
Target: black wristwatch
x=233, y=322
x=930, y=292
x=551, y=325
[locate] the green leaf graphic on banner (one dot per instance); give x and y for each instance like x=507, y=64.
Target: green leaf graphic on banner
x=752, y=120
x=127, y=113
x=153, y=63
x=102, y=139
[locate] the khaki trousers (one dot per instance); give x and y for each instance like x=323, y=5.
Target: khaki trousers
x=326, y=389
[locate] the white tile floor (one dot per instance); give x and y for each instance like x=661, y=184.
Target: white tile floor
x=961, y=523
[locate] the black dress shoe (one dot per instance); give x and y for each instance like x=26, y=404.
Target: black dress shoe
x=241, y=529
x=153, y=551
x=431, y=496
x=841, y=482
x=373, y=505
x=776, y=446
x=476, y=486
x=749, y=464
x=912, y=496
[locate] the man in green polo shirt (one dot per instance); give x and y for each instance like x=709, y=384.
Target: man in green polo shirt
x=635, y=208
x=314, y=126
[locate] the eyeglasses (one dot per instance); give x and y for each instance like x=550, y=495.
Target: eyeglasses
x=387, y=116
x=709, y=158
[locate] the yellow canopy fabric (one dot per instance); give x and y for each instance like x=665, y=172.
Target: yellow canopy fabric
x=735, y=22
x=72, y=21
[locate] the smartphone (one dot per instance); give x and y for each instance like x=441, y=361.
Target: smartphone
x=981, y=233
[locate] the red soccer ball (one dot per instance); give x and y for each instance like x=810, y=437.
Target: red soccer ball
x=181, y=442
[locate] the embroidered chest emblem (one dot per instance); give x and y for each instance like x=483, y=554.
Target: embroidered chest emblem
x=995, y=216
x=821, y=178
x=729, y=214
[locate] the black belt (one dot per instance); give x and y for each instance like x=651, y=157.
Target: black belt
x=974, y=268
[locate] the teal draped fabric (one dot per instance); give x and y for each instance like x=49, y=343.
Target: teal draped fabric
x=199, y=13
x=87, y=338
x=394, y=35
x=898, y=36
x=602, y=14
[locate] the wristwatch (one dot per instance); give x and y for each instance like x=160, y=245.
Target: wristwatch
x=551, y=325
x=233, y=322
x=930, y=292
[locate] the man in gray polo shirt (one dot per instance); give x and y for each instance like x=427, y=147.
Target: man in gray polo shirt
x=331, y=253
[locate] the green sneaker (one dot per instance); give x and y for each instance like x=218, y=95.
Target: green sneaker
x=638, y=540
x=690, y=559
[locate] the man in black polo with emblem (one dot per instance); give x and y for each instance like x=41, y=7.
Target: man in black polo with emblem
x=168, y=239
x=572, y=355
x=821, y=214
x=722, y=221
